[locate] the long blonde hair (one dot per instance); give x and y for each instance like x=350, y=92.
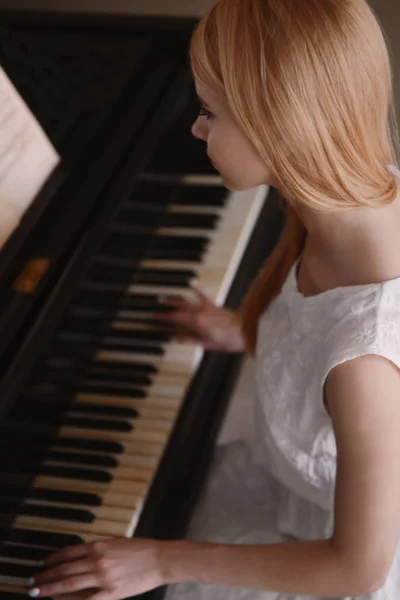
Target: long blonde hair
x=310, y=83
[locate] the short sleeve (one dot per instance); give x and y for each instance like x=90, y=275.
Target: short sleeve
x=370, y=325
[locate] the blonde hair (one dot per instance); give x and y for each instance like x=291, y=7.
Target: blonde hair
x=310, y=83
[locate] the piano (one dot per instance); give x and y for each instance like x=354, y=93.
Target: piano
x=107, y=424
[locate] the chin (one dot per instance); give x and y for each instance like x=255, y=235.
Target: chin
x=236, y=187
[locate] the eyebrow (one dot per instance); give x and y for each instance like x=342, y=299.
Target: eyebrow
x=202, y=101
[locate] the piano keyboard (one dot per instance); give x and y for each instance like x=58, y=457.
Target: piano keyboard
x=120, y=406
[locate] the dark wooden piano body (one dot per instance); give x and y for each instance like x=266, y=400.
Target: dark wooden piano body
x=115, y=97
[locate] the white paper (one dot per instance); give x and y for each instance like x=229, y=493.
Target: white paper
x=27, y=157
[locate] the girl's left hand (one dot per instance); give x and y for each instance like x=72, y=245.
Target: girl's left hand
x=113, y=569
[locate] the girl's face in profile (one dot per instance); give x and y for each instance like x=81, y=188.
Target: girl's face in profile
x=228, y=148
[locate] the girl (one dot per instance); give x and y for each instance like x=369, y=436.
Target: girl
x=295, y=94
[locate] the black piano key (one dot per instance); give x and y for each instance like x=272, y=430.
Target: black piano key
x=113, y=300
x=101, y=333
x=40, y=538
x=18, y=570
x=86, y=351
x=23, y=553
x=132, y=378
x=190, y=220
x=193, y=195
x=151, y=192
x=117, y=380
x=70, y=346
x=118, y=376
x=175, y=254
x=87, y=330
x=123, y=262
x=155, y=233
x=87, y=444
x=62, y=362
x=71, y=377
x=145, y=317
x=118, y=367
x=145, y=336
x=55, y=418
x=112, y=411
x=99, y=272
x=103, y=366
x=11, y=596
x=26, y=467
x=75, y=473
x=65, y=496
x=98, y=424
x=17, y=492
x=132, y=349
x=46, y=511
x=52, y=397
x=156, y=210
x=126, y=244
x=133, y=336
x=164, y=277
x=97, y=460
x=199, y=195
x=140, y=215
x=170, y=277
x=193, y=242
x=55, y=512
x=103, y=389
x=121, y=346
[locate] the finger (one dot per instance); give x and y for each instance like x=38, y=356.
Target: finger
x=188, y=338
x=170, y=300
x=163, y=316
x=66, y=569
x=100, y=596
x=196, y=340
x=181, y=303
x=183, y=318
x=65, y=586
x=200, y=293
x=67, y=554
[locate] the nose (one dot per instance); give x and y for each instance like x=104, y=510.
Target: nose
x=199, y=130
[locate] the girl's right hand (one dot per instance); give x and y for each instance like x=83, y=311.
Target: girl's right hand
x=204, y=323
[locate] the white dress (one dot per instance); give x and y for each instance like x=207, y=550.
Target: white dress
x=279, y=485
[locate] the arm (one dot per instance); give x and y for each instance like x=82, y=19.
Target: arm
x=362, y=396
x=294, y=568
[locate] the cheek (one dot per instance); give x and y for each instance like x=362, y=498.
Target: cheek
x=223, y=147
x=237, y=161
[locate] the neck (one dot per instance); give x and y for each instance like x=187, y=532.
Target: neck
x=356, y=245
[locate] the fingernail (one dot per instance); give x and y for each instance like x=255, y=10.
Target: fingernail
x=194, y=281
x=34, y=592
x=31, y=582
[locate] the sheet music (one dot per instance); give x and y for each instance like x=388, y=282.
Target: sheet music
x=27, y=157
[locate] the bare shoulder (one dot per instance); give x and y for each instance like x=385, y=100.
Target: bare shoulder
x=362, y=383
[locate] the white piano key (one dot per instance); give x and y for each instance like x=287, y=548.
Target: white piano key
x=145, y=445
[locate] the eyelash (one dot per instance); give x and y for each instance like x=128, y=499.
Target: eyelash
x=203, y=112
